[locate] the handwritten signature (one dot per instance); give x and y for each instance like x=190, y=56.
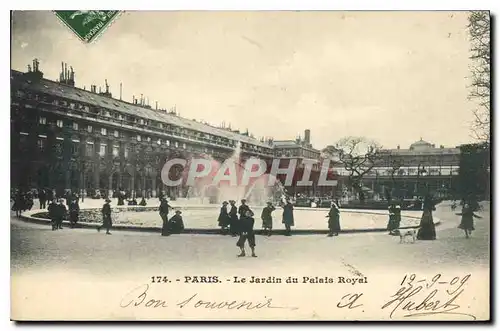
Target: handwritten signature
x=413, y=299
x=140, y=297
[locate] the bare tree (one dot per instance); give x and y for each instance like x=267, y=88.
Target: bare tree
x=479, y=32
x=358, y=155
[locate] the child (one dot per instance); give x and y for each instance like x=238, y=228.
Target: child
x=247, y=223
x=467, y=223
x=267, y=219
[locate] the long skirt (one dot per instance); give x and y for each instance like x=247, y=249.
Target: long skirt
x=427, y=230
x=467, y=223
x=334, y=225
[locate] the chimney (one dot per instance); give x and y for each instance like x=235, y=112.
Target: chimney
x=120, y=91
x=307, y=136
x=107, y=86
x=99, y=90
x=65, y=71
x=156, y=107
x=399, y=147
x=62, y=71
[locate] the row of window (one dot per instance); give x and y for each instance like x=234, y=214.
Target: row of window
x=184, y=132
x=102, y=147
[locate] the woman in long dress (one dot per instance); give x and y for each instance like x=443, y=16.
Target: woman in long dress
x=224, y=220
x=334, y=220
x=427, y=229
x=288, y=219
x=467, y=222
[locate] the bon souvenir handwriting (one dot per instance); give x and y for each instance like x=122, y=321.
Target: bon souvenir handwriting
x=141, y=297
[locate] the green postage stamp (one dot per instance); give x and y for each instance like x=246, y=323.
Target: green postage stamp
x=87, y=24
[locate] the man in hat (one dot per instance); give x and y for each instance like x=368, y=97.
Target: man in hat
x=176, y=224
x=247, y=223
x=60, y=213
x=106, y=217
x=74, y=211
x=223, y=221
x=233, y=218
x=267, y=219
x=243, y=208
x=164, y=210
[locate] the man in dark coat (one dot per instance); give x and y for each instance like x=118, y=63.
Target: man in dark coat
x=288, y=217
x=223, y=221
x=176, y=224
x=74, y=211
x=247, y=222
x=106, y=217
x=164, y=210
x=233, y=218
x=267, y=219
x=52, y=209
x=243, y=208
x=60, y=213
x=334, y=220
x=42, y=197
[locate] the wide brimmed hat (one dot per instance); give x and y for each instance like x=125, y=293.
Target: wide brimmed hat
x=224, y=202
x=178, y=212
x=232, y=201
x=107, y=200
x=243, y=200
x=270, y=203
x=398, y=207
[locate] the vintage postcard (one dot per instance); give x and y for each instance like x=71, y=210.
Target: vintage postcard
x=250, y=165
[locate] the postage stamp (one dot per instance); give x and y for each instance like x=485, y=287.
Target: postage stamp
x=294, y=165
x=87, y=24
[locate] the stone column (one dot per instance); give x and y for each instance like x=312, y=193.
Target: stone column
x=67, y=178
x=153, y=189
x=143, y=186
x=132, y=186
x=120, y=179
x=110, y=186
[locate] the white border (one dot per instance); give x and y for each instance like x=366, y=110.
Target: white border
x=190, y=5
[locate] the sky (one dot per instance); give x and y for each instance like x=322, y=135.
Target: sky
x=393, y=77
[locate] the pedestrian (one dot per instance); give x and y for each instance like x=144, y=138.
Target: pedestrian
x=106, y=217
x=164, y=210
x=247, y=233
x=60, y=213
x=143, y=202
x=243, y=208
x=233, y=218
x=394, y=219
x=42, y=198
x=74, y=211
x=18, y=203
x=267, y=218
x=427, y=229
x=467, y=222
x=288, y=217
x=176, y=223
x=334, y=220
x=52, y=209
x=223, y=221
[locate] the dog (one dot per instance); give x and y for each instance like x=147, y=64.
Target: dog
x=404, y=233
